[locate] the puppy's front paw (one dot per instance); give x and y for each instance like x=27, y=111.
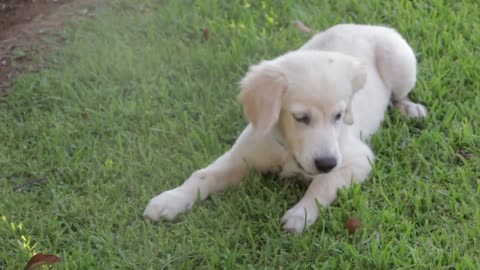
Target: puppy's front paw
x=168, y=205
x=411, y=109
x=298, y=219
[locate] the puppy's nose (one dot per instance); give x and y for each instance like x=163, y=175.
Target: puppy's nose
x=325, y=164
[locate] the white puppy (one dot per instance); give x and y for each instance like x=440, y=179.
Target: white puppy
x=310, y=111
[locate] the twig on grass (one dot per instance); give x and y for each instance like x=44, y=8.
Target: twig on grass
x=191, y=256
x=302, y=27
x=26, y=185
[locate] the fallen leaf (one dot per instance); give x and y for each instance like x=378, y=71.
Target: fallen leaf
x=464, y=153
x=42, y=259
x=85, y=115
x=302, y=27
x=205, y=34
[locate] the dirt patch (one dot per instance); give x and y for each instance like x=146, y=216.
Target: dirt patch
x=23, y=26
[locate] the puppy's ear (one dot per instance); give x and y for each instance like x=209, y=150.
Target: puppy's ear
x=261, y=93
x=358, y=82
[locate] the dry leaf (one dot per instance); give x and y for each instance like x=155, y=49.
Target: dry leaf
x=41, y=259
x=85, y=115
x=205, y=34
x=302, y=27
x=464, y=153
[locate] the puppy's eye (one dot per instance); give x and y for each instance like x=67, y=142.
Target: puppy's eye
x=338, y=116
x=304, y=118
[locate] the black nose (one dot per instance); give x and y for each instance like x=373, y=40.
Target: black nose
x=325, y=164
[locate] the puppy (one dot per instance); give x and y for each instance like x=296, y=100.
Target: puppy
x=310, y=112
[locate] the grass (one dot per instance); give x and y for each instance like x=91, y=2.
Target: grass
x=138, y=98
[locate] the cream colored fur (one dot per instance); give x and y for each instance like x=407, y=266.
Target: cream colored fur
x=310, y=112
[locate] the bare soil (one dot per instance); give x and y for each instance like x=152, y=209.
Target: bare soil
x=23, y=26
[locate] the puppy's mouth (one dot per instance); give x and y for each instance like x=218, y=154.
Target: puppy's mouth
x=303, y=169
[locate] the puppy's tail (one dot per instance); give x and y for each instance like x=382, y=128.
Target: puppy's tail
x=302, y=27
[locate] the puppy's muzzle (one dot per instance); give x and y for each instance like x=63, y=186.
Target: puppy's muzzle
x=325, y=164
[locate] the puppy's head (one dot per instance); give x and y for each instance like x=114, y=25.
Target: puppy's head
x=306, y=96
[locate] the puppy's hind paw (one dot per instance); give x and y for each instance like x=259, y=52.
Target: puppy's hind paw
x=411, y=109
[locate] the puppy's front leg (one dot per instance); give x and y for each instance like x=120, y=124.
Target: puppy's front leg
x=323, y=190
x=224, y=171
x=227, y=170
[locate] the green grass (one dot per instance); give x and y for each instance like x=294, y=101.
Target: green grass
x=135, y=101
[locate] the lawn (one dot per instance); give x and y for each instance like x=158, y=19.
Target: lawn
x=144, y=92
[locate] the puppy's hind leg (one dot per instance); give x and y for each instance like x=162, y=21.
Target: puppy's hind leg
x=397, y=65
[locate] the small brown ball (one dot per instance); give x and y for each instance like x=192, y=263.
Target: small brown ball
x=353, y=224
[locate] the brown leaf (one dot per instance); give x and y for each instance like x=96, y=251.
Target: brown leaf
x=85, y=115
x=42, y=259
x=464, y=153
x=205, y=34
x=302, y=27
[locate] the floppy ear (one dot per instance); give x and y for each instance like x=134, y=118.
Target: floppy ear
x=261, y=93
x=358, y=82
